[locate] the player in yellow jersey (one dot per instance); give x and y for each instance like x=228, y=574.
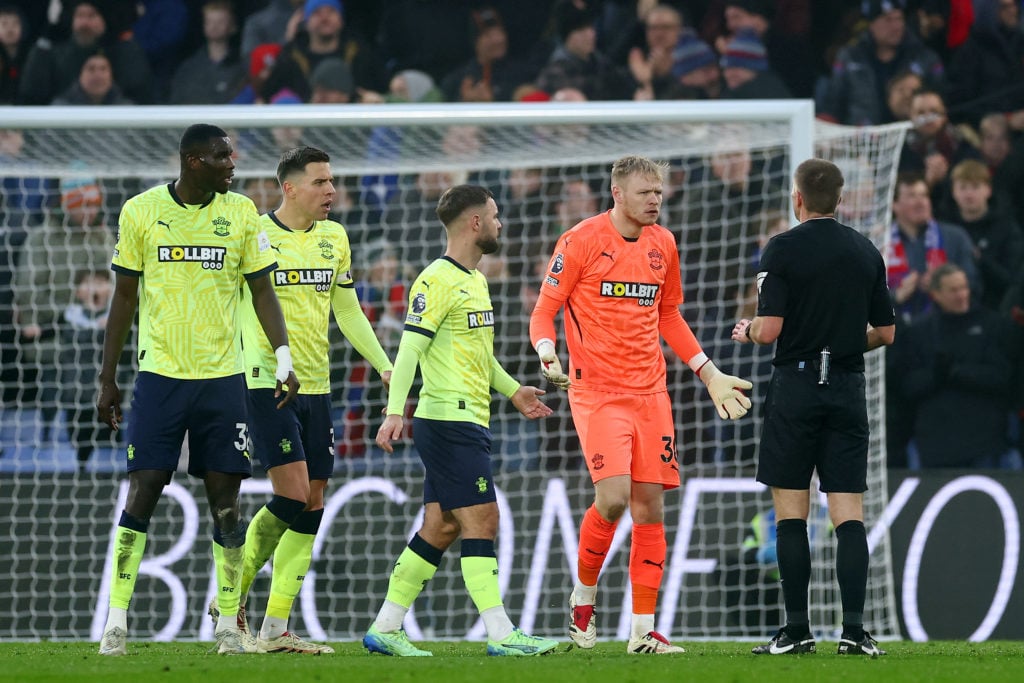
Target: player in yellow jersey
x=449, y=333
x=296, y=444
x=182, y=250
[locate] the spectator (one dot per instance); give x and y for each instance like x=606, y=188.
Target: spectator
x=425, y=35
x=855, y=94
x=961, y=365
x=789, y=53
x=275, y=24
x=261, y=63
x=332, y=82
x=214, y=74
x=410, y=211
x=265, y=193
x=95, y=85
x=160, y=30
x=899, y=93
x=13, y=48
x=746, y=71
x=695, y=70
x=490, y=76
x=75, y=239
x=987, y=73
x=994, y=146
x=918, y=245
x=576, y=62
x=652, y=68
x=325, y=36
x=998, y=241
x=50, y=69
x=81, y=351
x=933, y=145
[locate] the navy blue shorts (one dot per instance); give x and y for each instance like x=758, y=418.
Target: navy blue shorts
x=213, y=413
x=457, y=458
x=302, y=430
x=811, y=427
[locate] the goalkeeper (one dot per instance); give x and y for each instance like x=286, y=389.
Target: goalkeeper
x=617, y=275
x=296, y=444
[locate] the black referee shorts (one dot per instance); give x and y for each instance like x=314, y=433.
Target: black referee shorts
x=810, y=427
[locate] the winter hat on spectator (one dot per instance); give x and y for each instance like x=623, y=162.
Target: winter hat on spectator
x=569, y=18
x=333, y=74
x=485, y=18
x=872, y=9
x=78, y=192
x=745, y=51
x=691, y=53
x=285, y=96
x=263, y=56
x=314, y=5
x=420, y=85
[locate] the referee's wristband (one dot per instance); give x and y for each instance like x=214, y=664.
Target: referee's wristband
x=747, y=331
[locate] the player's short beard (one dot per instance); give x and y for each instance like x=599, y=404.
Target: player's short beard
x=487, y=245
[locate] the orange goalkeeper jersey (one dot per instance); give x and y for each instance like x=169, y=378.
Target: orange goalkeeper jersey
x=613, y=290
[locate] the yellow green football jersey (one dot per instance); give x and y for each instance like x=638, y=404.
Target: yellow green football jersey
x=452, y=306
x=310, y=265
x=191, y=261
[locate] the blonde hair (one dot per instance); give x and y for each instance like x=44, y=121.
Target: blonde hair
x=971, y=171
x=637, y=166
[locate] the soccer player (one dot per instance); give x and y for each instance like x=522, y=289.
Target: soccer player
x=295, y=444
x=189, y=244
x=449, y=333
x=822, y=295
x=617, y=274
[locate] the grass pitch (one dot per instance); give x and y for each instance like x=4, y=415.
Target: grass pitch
x=932, y=662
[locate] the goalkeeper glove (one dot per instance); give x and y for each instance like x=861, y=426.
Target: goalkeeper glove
x=725, y=391
x=550, y=367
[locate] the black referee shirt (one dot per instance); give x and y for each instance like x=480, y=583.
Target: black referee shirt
x=828, y=282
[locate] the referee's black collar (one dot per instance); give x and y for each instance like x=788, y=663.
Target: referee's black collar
x=177, y=199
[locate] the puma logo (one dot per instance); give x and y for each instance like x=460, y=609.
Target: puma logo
x=275, y=248
x=605, y=253
x=464, y=292
x=659, y=565
x=166, y=225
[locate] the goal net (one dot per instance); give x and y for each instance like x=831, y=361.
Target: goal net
x=67, y=171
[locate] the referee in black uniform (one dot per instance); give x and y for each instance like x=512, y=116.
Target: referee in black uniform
x=822, y=294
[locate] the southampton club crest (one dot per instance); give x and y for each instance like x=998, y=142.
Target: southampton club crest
x=220, y=226
x=326, y=250
x=655, y=259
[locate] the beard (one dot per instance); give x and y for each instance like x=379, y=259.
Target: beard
x=487, y=245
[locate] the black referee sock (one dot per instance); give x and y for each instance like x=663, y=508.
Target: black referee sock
x=852, y=574
x=794, y=553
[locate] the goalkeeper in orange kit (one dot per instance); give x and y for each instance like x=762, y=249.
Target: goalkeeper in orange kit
x=617, y=275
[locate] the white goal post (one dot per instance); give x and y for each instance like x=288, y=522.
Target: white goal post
x=728, y=190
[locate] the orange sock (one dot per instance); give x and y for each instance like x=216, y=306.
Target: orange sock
x=596, y=535
x=646, y=566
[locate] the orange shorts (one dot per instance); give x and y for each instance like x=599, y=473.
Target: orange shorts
x=631, y=434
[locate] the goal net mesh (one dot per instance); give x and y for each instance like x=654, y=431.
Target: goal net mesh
x=62, y=478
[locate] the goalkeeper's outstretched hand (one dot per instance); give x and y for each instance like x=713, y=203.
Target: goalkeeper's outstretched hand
x=725, y=392
x=550, y=366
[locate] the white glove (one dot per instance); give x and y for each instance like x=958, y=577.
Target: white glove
x=284, y=363
x=550, y=366
x=725, y=392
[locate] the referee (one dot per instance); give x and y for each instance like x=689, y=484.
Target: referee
x=820, y=286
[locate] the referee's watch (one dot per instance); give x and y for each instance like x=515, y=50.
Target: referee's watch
x=747, y=331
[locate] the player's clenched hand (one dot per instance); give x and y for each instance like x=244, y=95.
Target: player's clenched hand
x=390, y=430
x=527, y=402
x=550, y=366
x=725, y=392
x=108, y=404
x=385, y=377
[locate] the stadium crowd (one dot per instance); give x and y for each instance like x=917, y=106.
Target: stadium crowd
x=952, y=69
